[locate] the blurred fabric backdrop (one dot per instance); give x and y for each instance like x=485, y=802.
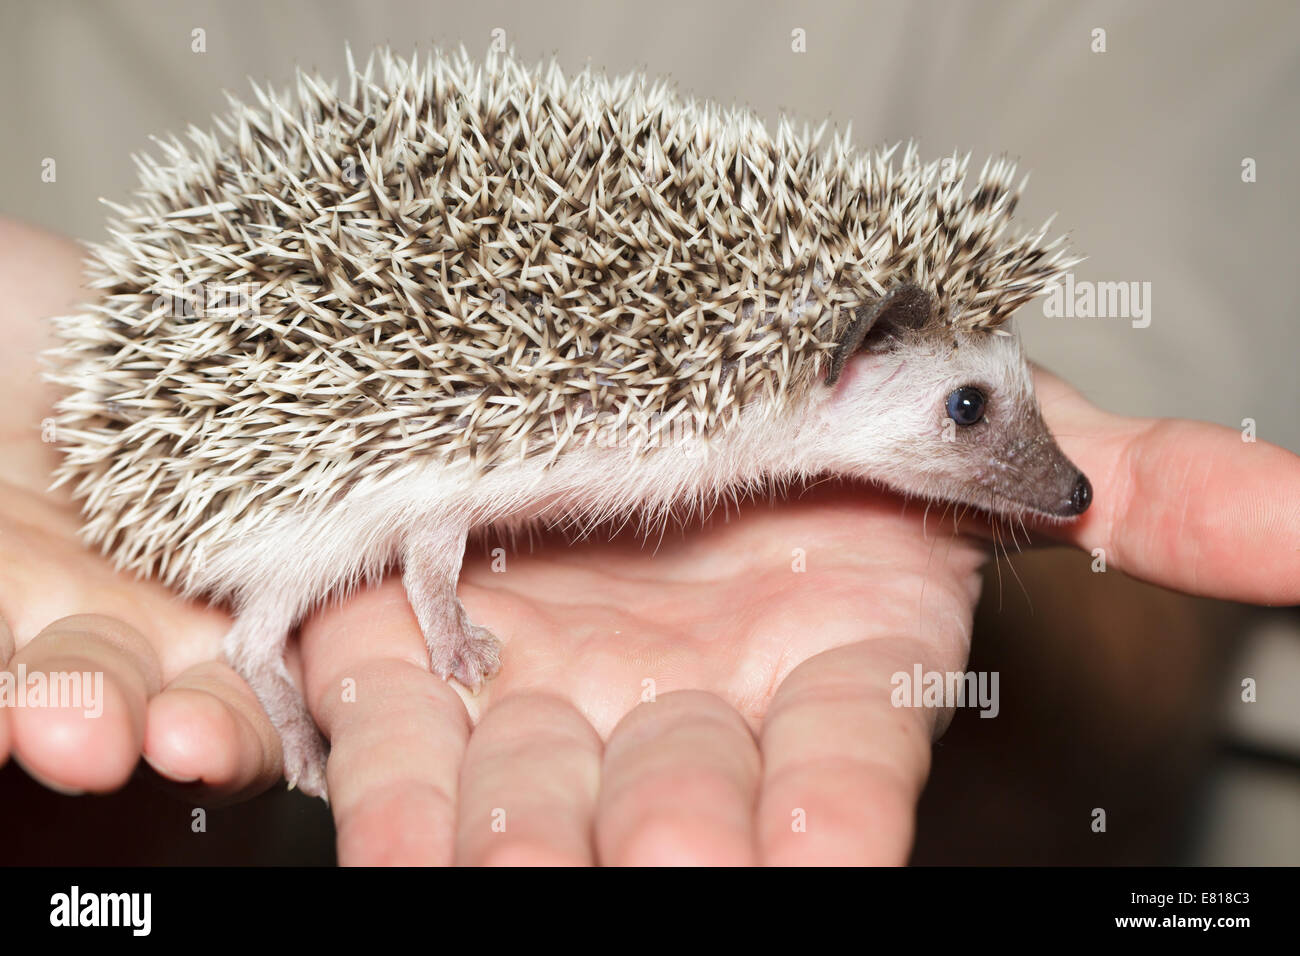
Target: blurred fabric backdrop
x=1139, y=150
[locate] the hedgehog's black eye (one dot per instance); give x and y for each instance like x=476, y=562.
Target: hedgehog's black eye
x=966, y=405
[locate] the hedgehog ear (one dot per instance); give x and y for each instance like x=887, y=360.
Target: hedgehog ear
x=905, y=307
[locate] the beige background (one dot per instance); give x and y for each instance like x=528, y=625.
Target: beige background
x=1138, y=150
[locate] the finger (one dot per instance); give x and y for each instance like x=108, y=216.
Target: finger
x=6, y=652
x=1183, y=504
x=678, y=785
x=529, y=784
x=86, y=734
x=842, y=767
x=207, y=730
x=397, y=733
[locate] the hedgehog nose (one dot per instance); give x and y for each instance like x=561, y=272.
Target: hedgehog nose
x=1081, y=497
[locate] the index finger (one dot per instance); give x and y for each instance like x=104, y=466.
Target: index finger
x=1182, y=504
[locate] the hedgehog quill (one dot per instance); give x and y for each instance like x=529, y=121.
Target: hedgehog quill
x=484, y=297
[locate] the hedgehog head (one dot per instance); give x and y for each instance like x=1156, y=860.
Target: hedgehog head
x=945, y=412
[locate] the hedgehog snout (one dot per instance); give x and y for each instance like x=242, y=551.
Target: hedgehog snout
x=1076, y=496
x=1034, y=472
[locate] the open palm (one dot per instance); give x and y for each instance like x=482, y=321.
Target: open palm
x=653, y=700
x=723, y=697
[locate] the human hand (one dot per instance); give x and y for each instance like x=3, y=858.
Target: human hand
x=773, y=686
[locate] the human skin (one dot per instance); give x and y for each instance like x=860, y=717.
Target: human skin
x=771, y=686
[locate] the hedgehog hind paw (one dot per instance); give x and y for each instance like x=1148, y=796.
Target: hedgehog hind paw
x=472, y=659
x=304, y=751
x=305, y=756
x=254, y=646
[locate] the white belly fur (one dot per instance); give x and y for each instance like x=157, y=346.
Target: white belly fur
x=302, y=557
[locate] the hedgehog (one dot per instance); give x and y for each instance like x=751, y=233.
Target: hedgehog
x=358, y=326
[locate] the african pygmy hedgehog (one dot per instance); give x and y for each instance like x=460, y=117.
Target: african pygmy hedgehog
x=347, y=329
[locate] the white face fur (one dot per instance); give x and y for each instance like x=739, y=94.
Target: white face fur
x=948, y=416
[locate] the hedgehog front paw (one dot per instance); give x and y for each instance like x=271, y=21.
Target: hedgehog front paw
x=471, y=659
